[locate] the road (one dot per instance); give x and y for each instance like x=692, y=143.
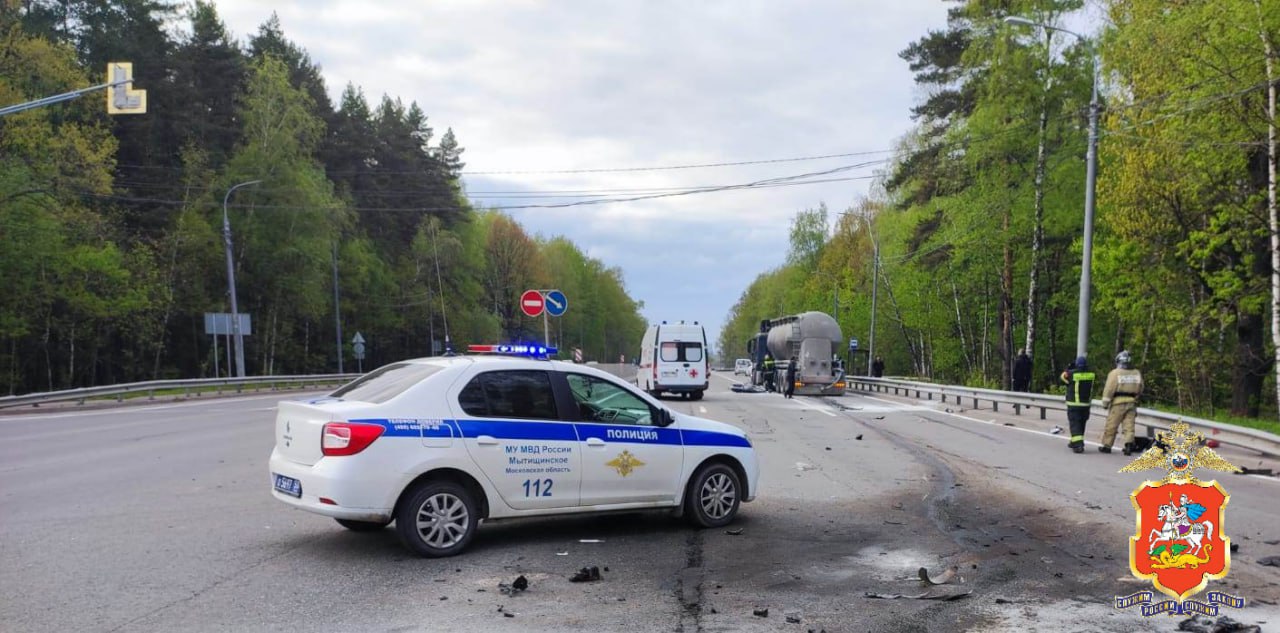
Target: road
x=158, y=518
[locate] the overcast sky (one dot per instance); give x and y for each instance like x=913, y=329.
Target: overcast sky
x=547, y=87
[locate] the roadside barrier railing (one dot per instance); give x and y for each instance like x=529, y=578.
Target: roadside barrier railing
x=1153, y=420
x=185, y=387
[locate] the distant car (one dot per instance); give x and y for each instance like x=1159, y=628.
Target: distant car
x=438, y=445
x=742, y=366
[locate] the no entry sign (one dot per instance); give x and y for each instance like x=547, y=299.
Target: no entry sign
x=531, y=303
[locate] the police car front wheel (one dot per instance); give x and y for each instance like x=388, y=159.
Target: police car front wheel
x=714, y=496
x=437, y=518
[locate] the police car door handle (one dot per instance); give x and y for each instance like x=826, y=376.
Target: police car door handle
x=486, y=440
x=595, y=441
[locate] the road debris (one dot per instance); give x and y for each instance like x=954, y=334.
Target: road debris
x=519, y=584
x=590, y=540
x=586, y=574
x=859, y=437
x=562, y=553
x=1056, y=430
x=792, y=619
x=924, y=596
x=803, y=466
x=1266, y=472
x=761, y=613
x=948, y=576
x=1269, y=561
x=734, y=532
x=744, y=388
x=1224, y=624
x=1272, y=542
x=879, y=417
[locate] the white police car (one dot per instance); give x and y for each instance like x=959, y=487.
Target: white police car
x=439, y=444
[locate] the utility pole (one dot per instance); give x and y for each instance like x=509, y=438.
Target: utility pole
x=231, y=279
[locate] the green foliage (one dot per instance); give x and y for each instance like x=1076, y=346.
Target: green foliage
x=111, y=230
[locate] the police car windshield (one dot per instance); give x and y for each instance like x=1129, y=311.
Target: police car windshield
x=385, y=383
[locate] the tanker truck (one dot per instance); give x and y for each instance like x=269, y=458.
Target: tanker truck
x=814, y=338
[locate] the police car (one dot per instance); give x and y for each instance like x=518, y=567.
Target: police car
x=438, y=445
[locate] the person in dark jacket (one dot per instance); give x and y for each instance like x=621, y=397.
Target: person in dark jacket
x=791, y=377
x=1079, y=381
x=877, y=367
x=1022, y=372
x=768, y=372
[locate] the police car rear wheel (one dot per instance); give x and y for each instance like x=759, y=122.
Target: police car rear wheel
x=361, y=526
x=437, y=519
x=713, y=497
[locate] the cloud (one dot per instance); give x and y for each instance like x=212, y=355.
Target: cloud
x=565, y=85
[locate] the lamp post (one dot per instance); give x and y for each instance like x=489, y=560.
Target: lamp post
x=875, y=285
x=1091, y=173
x=231, y=279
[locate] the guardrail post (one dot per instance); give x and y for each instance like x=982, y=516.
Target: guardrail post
x=151, y=394
x=995, y=405
x=1041, y=413
x=944, y=398
x=930, y=394
x=1017, y=409
x=120, y=397
x=975, y=402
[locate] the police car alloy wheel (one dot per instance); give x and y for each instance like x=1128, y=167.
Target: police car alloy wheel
x=361, y=526
x=713, y=497
x=436, y=519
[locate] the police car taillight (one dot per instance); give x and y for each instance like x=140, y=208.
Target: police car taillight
x=348, y=438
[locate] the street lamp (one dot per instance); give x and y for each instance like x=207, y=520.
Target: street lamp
x=231, y=279
x=1091, y=173
x=875, y=285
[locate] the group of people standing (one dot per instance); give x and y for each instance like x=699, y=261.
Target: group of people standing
x=789, y=388
x=1119, y=398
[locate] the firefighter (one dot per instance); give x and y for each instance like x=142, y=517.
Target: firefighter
x=768, y=371
x=791, y=377
x=1120, y=399
x=1079, y=382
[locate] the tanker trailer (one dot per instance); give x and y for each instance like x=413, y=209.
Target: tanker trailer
x=814, y=338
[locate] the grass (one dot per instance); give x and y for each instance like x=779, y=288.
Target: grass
x=1270, y=426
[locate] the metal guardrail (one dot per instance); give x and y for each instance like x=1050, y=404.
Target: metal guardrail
x=1244, y=437
x=187, y=386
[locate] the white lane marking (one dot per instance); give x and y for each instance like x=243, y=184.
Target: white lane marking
x=1001, y=425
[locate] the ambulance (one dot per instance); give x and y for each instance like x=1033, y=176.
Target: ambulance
x=673, y=359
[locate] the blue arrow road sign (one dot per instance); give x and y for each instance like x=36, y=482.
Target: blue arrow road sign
x=556, y=302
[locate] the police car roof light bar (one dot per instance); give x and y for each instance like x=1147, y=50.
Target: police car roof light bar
x=532, y=351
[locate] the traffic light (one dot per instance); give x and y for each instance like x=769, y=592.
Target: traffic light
x=121, y=97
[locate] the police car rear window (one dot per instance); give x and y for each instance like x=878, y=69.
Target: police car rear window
x=385, y=383
x=510, y=394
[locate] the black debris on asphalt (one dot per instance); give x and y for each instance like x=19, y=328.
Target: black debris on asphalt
x=586, y=574
x=519, y=584
x=791, y=619
x=859, y=436
x=734, y=532
x=1235, y=547
x=761, y=613
x=1270, y=561
x=1224, y=624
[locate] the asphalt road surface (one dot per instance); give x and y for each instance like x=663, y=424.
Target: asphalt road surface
x=158, y=518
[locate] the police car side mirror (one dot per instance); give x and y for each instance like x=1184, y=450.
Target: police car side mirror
x=664, y=418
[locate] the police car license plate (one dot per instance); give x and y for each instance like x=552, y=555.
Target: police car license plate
x=288, y=485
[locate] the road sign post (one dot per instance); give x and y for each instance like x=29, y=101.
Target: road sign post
x=357, y=349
